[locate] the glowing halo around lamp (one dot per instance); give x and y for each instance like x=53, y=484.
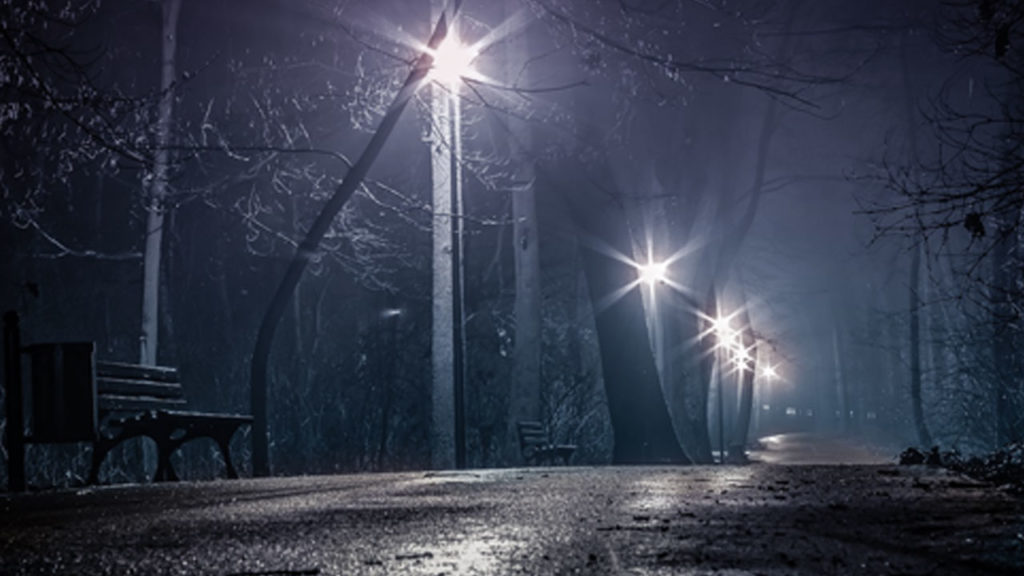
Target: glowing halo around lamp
x=653, y=272
x=722, y=329
x=742, y=356
x=453, y=61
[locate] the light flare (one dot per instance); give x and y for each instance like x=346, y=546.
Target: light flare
x=653, y=272
x=453, y=61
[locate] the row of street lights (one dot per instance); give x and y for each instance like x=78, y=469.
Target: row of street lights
x=729, y=345
x=452, y=63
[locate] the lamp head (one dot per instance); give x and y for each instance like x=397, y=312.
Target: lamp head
x=653, y=272
x=452, y=61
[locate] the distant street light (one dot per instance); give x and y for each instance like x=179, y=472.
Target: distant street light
x=742, y=358
x=729, y=341
x=653, y=272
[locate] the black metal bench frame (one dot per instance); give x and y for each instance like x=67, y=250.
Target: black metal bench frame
x=536, y=446
x=112, y=402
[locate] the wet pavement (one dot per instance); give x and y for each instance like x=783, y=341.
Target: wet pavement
x=806, y=448
x=755, y=519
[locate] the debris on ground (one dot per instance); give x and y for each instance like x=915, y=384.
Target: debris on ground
x=1004, y=467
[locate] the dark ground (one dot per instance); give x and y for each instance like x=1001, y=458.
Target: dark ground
x=770, y=517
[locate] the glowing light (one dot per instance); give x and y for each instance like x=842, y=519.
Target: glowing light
x=653, y=272
x=453, y=61
x=742, y=356
x=728, y=337
x=769, y=373
x=722, y=328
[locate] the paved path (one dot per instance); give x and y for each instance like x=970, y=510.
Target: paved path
x=755, y=519
x=807, y=448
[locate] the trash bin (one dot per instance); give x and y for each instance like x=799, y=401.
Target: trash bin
x=62, y=392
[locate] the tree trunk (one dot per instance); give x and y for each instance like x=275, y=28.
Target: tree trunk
x=683, y=360
x=156, y=200
x=386, y=350
x=706, y=368
x=311, y=243
x=525, y=397
x=924, y=439
x=1007, y=391
x=642, y=428
x=737, y=449
x=524, y=400
x=838, y=382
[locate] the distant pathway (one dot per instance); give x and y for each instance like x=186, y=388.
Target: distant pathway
x=806, y=448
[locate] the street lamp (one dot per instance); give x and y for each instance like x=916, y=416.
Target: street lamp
x=729, y=341
x=452, y=62
x=764, y=391
x=653, y=272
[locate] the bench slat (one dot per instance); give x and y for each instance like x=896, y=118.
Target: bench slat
x=536, y=446
x=186, y=415
x=120, y=403
x=136, y=372
x=122, y=387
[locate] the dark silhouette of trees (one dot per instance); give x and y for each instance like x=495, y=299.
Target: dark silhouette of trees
x=967, y=195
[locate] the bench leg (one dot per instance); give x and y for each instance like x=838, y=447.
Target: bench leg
x=224, y=442
x=100, y=449
x=164, y=470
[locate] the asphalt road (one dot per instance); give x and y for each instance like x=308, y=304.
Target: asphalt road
x=755, y=519
x=807, y=448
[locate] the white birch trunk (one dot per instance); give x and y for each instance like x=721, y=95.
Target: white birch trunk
x=155, y=203
x=524, y=400
x=525, y=397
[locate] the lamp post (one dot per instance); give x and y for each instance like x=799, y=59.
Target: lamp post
x=764, y=394
x=451, y=63
x=725, y=338
x=721, y=408
x=310, y=245
x=458, y=278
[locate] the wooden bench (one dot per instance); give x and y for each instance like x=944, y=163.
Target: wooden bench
x=134, y=400
x=536, y=446
x=73, y=398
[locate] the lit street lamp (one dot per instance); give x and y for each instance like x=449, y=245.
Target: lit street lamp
x=653, y=272
x=729, y=341
x=258, y=385
x=452, y=61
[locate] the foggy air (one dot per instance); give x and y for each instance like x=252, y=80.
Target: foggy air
x=550, y=286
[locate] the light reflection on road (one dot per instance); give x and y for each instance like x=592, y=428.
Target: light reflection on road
x=803, y=448
x=662, y=494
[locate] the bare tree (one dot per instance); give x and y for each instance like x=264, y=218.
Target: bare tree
x=968, y=193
